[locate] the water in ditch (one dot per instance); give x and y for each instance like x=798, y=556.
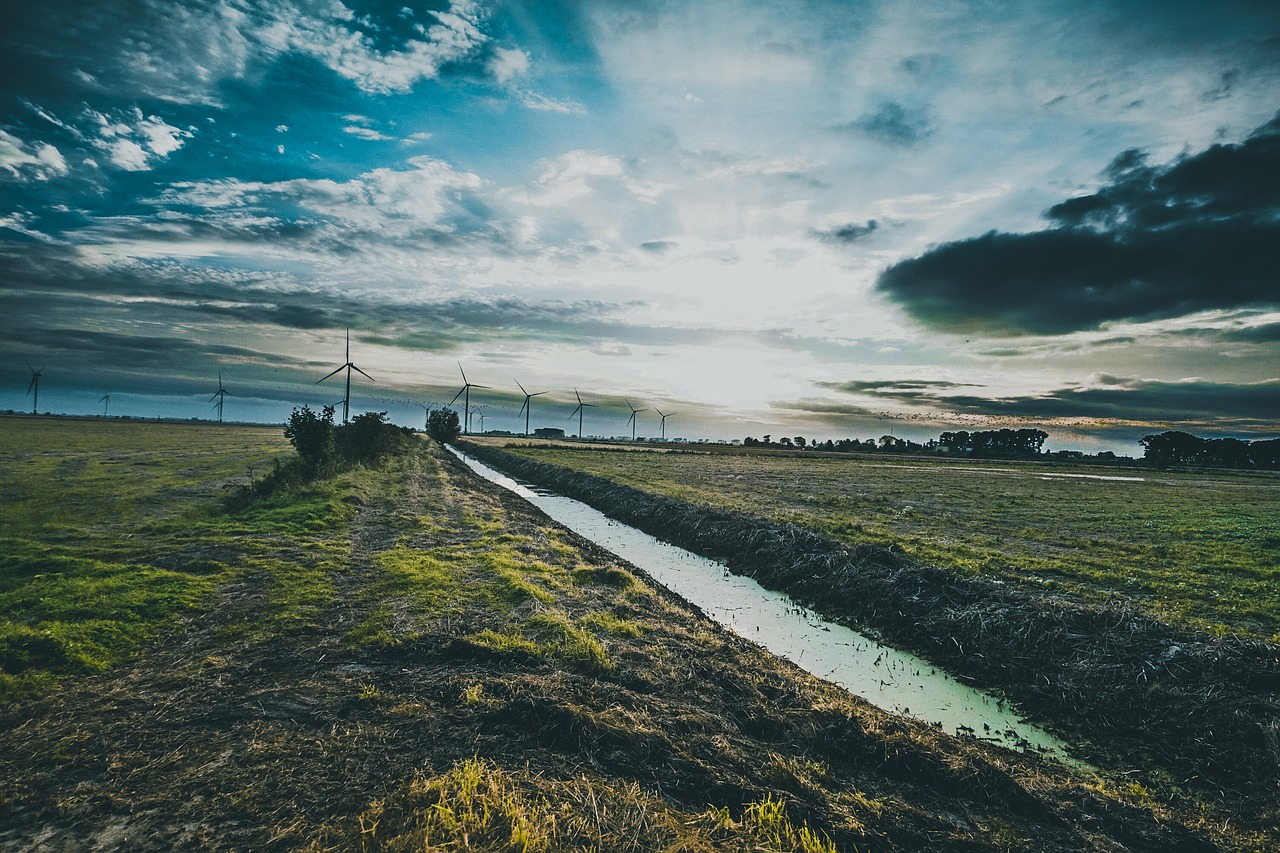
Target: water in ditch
x=896, y=681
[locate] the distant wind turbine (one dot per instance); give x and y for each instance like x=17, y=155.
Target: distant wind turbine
x=105, y=400
x=578, y=411
x=465, y=393
x=426, y=415
x=664, y=421
x=479, y=411
x=348, y=366
x=632, y=420
x=34, y=386
x=220, y=395
x=527, y=407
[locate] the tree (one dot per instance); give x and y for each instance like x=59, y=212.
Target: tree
x=800, y=441
x=368, y=437
x=443, y=425
x=312, y=435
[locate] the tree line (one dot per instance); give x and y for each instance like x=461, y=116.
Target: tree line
x=1181, y=448
x=1001, y=442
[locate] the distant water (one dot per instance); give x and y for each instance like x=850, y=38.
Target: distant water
x=896, y=681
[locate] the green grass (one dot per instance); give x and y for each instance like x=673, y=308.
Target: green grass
x=1201, y=550
x=115, y=530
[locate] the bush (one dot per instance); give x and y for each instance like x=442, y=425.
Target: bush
x=369, y=437
x=312, y=435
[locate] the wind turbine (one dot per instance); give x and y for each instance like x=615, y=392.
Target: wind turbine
x=527, y=407
x=480, y=411
x=664, y=421
x=346, y=400
x=632, y=420
x=220, y=395
x=34, y=386
x=426, y=415
x=105, y=400
x=578, y=411
x=465, y=393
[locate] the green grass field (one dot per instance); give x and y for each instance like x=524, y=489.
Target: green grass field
x=113, y=530
x=1197, y=549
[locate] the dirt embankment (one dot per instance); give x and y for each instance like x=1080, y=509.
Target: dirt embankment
x=1200, y=712
x=551, y=700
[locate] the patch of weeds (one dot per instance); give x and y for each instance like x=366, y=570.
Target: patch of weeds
x=612, y=625
x=768, y=821
x=611, y=576
x=507, y=642
x=370, y=693
x=376, y=632
x=569, y=644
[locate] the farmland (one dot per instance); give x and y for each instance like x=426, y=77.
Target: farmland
x=403, y=657
x=1200, y=549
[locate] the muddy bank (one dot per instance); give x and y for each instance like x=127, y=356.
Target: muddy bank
x=1184, y=710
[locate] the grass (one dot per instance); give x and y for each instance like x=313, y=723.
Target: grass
x=114, y=532
x=1196, y=549
x=477, y=805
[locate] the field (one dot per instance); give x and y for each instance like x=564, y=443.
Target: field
x=1200, y=549
x=405, y=657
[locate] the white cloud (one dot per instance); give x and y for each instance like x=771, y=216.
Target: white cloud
x=392, y=202
x=456, y=36
x=537, y=101
x=366, y=133
x=506, y=64
x=133, y=141
x=40, y=161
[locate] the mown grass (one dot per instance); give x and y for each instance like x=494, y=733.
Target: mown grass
x=114, y=531
x=1197, y=549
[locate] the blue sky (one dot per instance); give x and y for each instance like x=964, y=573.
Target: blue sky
x=825, y=219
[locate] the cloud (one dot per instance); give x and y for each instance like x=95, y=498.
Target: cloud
x=332, y=35
x=38, y=161
x=848, y=233
x=367, y=133
x=1200, y=233
x=1102, y=397
x=892, y=124
x=507, y=64
x=134, y=141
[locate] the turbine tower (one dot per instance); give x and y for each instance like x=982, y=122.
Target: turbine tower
x=578, y=411
x=632, y=420
x=465, y=393
x=105, y=400
x=348, y=366
x=34, y=386
x=664, y=421
x=527, y=407
x=220, y=395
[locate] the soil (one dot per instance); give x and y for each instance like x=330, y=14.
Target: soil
x=218, y=739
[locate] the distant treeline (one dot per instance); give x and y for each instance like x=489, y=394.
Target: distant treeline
x=998, y=442
x=1181, y=448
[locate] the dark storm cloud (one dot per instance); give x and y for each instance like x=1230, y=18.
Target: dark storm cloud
x=1107, y=398
x=892, y=124
x=1157, y=241
x=844, y=234
x=890, y=388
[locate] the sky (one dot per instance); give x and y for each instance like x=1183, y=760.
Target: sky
x=827, y=219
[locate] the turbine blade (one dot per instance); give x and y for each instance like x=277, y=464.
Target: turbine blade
x=463, y=372
x=479, y=386
x=456, y=396
x=523, y=406
x=31, y=385
x=521, y=387
x=362, y=373
x=323, y=378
